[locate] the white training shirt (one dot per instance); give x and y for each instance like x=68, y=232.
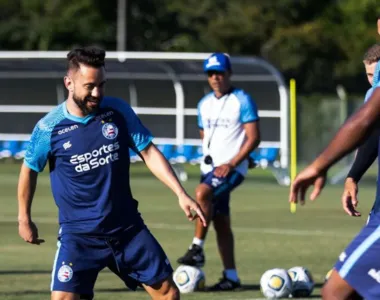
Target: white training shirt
x=222, y=121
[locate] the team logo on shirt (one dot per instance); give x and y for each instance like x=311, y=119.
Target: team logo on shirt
x=65, y=273
x=110, y=131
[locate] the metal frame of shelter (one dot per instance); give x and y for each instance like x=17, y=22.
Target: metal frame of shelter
x=176, y=67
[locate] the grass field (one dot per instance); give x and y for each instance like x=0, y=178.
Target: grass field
x=266, y=234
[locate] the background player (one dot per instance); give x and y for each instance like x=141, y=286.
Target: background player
x=229, y=127
x=86, y=141
x=357, y=269
x=367, y=153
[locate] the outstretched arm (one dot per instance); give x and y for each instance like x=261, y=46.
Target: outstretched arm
x=351, y=134
x=161, y=168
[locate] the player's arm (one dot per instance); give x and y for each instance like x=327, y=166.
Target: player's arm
x=140, y=140
x=252, y=141
x=26, y=187
x=35, y=160
x=162, y=169
x=366, y=155
x=351, y=134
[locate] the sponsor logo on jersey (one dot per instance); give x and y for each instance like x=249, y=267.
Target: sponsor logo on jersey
x=68, y=129
x=104, y=115
x=105, y=155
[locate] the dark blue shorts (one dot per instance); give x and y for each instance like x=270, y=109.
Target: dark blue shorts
x=135, y=259
x=222, y=188
x=359, y=263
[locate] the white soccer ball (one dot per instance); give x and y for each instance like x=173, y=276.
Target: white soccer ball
x=303, y=283
x=189, y=279
x=276, y=283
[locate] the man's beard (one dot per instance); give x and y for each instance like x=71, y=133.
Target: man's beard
x=83, y=104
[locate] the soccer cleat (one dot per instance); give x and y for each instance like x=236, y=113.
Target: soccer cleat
x=225, y=284
x=193, y=257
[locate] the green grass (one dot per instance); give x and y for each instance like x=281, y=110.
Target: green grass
x=266, y=234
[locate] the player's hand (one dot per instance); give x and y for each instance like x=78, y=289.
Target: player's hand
x=309, y=176
x=191, y=208
x=223, y=170
x=349, y=198
x=29, y=232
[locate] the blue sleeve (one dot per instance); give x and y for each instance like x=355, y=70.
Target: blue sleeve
x=37, y=152
x=248, y=109
x=140, y=136
x=200, y=123
x=368, y=94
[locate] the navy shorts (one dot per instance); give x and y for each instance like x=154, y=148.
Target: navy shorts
x=359, y=263
x=222, y=187
x=135, y=259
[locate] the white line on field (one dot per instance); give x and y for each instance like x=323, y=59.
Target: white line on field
x=181, y=227
x=280, y=231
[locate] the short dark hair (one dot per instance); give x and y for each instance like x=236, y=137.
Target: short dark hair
x=90, y=56
x=372, y=55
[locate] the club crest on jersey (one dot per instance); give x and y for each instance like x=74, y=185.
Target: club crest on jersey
x=65, y=273
x=110, y=131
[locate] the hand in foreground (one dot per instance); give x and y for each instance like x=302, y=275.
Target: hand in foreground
x=223, y=170
x=309, y=176
x=349, y=198
x=191, y=208
x=29, y=233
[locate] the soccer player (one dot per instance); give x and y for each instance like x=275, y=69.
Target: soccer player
x=86, y=141
x=367, y=153
x=357, y=271
x=229, y=128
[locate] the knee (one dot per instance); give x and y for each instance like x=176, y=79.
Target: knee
x=203, y=194
x=172, y=293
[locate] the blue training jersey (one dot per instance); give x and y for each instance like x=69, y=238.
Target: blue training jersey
x=89, y=166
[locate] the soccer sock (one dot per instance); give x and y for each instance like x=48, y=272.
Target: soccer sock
x=198, y=242
x=231, y=274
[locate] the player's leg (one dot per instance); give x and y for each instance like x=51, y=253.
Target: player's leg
x=225, y=240
x=194, y=256
x=164, y=290
x=203, y=194
x=216, y=186
x=141, y=260
x=338, y=289
x=357, y=270
x=75, y=271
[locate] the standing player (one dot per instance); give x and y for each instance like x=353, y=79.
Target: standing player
x=86, y=141
x=357, y=272
x=367, y=153
x=229, y=127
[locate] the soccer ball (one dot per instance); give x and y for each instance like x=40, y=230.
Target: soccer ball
x=189, y=279
x=303, y=283
x=276, y=283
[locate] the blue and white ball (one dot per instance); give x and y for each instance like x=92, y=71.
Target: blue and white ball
x=189, y=279
x=276, y=283
x=303, y=283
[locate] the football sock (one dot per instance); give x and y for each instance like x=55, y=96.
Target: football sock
x=198, y=242
x=231, y=274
